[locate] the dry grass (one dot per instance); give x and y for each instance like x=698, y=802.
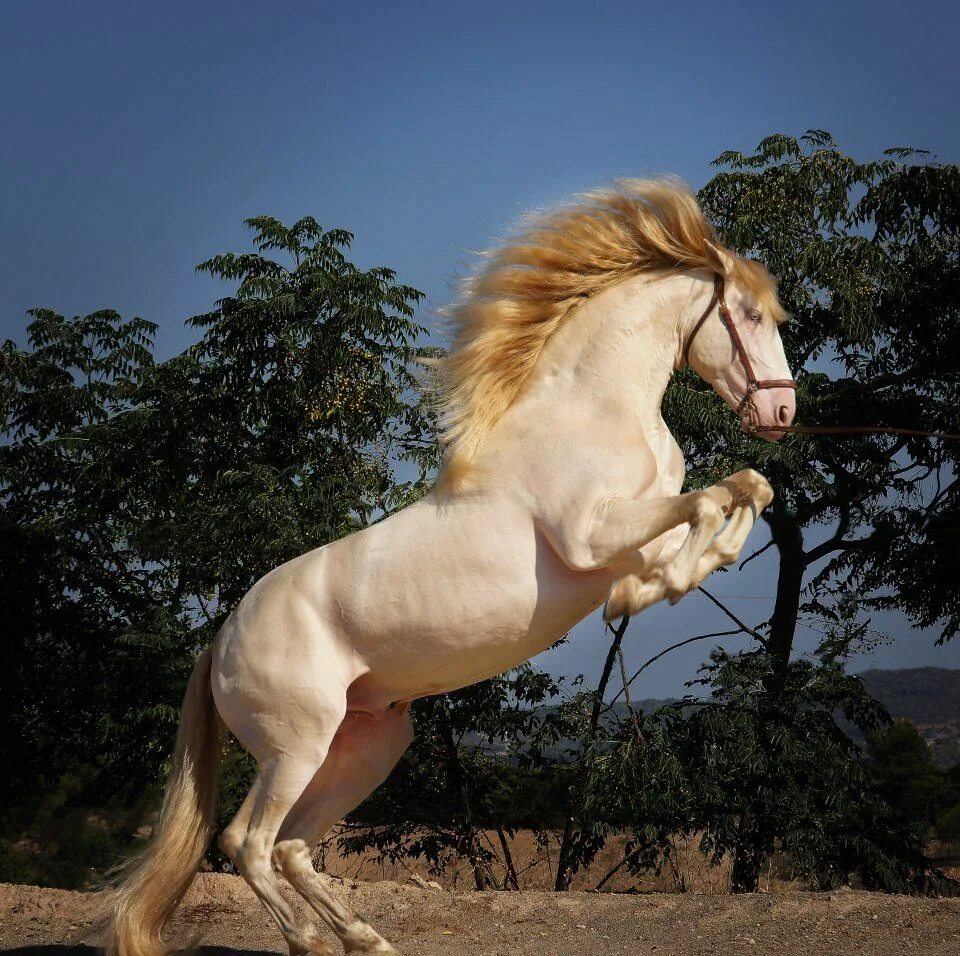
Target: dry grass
x=535, y=860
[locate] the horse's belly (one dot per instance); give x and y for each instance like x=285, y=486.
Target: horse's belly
x=446, y=611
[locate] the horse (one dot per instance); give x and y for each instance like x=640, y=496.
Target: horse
x=560, y=489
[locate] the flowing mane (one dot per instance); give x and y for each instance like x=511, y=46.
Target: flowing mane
x=524, y=289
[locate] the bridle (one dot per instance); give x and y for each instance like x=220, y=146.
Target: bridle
x=754, y=384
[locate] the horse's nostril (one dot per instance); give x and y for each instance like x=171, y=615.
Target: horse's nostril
x=783, y=415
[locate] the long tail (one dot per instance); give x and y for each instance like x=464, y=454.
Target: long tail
x=147, y=898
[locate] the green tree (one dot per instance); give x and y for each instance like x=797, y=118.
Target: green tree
x=788, y=777
x=70, y=589
x=142, y=499
x=868, y=257
x=746, y=778
x=948, y=826
x=903, y=766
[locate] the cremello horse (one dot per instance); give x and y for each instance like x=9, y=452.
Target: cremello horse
x=561, y=488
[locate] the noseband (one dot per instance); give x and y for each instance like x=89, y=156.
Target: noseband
x=754, y=384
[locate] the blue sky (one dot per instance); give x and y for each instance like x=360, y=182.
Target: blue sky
x=136, y=138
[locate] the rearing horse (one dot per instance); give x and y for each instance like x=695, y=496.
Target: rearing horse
x=561, y=488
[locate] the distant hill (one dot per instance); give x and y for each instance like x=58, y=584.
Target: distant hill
x=927, y=696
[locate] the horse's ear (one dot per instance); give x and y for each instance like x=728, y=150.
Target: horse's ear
x=721, y=260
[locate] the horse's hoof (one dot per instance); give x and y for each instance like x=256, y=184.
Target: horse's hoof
x=311, y=943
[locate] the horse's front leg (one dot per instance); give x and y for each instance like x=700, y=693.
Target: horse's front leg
x=742, y=497
x=755, y=495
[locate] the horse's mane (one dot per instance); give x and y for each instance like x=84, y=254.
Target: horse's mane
x=524, y=289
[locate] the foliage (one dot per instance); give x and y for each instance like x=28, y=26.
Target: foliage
x=57, y=839
x=750, y=778
x=868, y=258
x=903, y=766
x=142, y=499
x=948, y=826
x=788, y=778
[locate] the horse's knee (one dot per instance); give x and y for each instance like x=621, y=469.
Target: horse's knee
x=706, y=511
x=252, y=859
x=291, y=856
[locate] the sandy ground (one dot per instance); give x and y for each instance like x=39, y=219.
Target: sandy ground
x=221, y=916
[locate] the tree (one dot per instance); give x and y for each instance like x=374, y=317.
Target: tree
x=746, y=778
x=142, y=499
x=788, y=777
x=69, y=588
x=902, y=764
x=868, y=258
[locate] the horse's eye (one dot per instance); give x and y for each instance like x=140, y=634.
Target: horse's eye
x=756, y=316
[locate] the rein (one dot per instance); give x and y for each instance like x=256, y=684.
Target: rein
x=755, y=385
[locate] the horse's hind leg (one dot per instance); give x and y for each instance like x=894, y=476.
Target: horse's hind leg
x=249, y=840
x=363, y=753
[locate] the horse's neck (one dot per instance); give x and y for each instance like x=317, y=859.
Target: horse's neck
x=621, y=348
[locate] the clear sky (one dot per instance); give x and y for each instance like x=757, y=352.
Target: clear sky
x=135, y=138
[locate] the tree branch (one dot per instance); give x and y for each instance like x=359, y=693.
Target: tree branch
x=663, y=653
x=833, y=543
x=598, y=708
x=756, y=635
x=756, y=554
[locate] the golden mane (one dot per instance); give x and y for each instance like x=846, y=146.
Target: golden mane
x=524, y=289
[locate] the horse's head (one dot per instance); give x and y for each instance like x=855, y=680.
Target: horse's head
x=735, y=346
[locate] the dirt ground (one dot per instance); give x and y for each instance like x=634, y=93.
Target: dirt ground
x=220, y=916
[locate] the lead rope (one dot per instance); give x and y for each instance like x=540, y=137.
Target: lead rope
x=854, y=430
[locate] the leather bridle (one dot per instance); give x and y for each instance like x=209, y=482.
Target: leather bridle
x=754, y=384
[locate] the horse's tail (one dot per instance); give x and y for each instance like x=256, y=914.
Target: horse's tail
x=146, y=899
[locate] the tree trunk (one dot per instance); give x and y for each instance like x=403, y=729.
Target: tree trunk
x=752, y=838
x=565, y=862
x=748, y=857
x=564, y=872
x=510, y=879
x=787, y=534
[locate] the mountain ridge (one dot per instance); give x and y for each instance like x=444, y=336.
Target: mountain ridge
x=928, y=697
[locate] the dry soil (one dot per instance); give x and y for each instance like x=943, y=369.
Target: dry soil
x=220, y=916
